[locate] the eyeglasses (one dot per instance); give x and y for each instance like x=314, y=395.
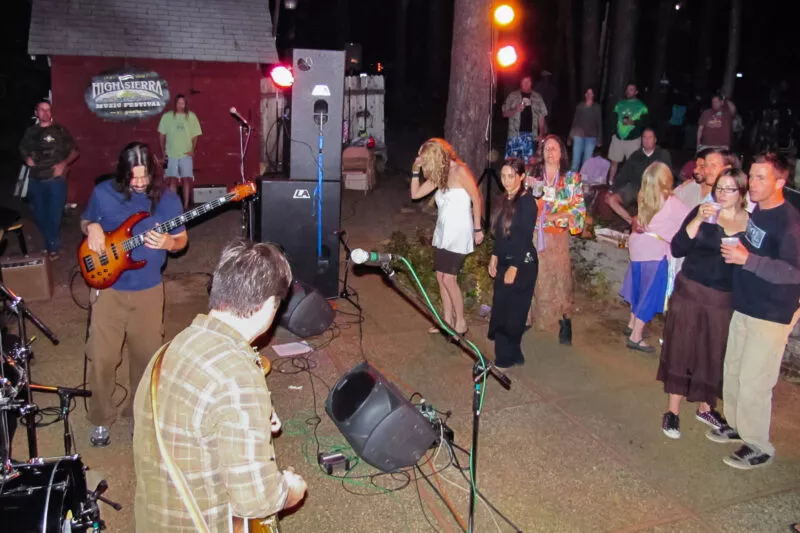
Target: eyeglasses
x=728, y=189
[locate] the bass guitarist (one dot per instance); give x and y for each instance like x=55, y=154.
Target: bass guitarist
x=131, y=311
x=208, y=456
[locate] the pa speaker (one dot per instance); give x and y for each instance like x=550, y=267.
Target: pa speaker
x=318, y=85
x=381, y=425
x=287, y=216
x=306, y=312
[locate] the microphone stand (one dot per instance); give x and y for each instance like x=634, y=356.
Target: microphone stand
x=480, y=369
x=65, y=395
x=248, y=215
x=345, y=294
x=28, y=411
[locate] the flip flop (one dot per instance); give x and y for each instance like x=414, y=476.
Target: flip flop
x=639, y=347
x=795, y=528
x=434, y=330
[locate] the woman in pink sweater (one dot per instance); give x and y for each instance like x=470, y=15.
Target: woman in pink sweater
x=645, y=286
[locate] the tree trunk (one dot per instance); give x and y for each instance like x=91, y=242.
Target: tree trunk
x=665, y=9
x=703, y=61
x=733, y=48
x=468, y=104
x=623, y=30
x=569, y=37
x=590, y=45
x=401, y=52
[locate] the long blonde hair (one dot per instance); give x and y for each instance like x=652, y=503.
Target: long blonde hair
x=436, y=156
x=656, y=188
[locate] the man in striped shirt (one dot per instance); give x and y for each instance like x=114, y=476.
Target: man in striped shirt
x=213, y=406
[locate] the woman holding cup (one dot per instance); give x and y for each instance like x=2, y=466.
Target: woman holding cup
x=701, y=306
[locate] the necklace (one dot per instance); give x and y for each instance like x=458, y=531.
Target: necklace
x=549, y=182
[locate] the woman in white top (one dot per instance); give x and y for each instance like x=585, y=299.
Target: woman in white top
x=458, y=226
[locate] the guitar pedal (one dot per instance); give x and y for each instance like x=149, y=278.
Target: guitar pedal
x=331, y=461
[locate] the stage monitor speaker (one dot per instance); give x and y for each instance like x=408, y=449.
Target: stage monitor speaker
x=28, y=276
x=381, y=425
x=318, y=82
x=287, y=216
x=306, y=312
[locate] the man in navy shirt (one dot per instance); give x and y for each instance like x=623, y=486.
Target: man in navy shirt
x=132, y=310
x=766, y=291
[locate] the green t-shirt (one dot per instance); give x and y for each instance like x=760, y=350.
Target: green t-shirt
x=634, y=109
x=180, y=129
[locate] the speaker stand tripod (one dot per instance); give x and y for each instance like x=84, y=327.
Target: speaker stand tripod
x=345, y=294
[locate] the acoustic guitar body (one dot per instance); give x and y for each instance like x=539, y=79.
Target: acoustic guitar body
x=101, y=271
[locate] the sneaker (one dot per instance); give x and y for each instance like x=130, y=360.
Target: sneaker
x=712, y=418
x=748, y=457
x=99, y=436
x=723, y=435
x=671, y=425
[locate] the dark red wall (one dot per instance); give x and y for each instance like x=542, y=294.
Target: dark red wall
x=212, y=89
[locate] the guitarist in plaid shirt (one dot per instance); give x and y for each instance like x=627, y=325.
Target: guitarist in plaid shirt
x=213, y=406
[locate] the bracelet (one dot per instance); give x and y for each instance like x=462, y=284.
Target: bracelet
x=477, y=230
x=414, y=175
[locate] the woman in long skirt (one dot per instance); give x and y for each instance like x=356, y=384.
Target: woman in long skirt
x=700, y=309
x=513, y=265
x=561, y=213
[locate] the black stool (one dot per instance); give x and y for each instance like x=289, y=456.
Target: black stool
x=11, y=222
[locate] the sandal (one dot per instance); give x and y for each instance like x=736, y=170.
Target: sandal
x=627, y=331
x=638, y=346
x=433, y=330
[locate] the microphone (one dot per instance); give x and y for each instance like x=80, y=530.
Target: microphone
x=235, y=114
x=363, y=257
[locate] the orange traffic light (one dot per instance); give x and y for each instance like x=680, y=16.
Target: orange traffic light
x=504, y=15
x=506, y=56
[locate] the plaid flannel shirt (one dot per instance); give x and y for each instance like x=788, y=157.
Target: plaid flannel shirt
x=214, y=409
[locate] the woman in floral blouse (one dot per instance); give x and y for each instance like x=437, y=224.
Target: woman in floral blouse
x=561, y=214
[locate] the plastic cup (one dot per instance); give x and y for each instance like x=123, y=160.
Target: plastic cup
x=712, y=219
x=730, y=241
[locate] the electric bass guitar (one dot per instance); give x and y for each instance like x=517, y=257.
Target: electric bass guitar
x=101, y=271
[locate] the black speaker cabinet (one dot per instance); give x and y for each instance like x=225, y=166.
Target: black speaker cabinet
x=318, y=83
x=287, y=216
x=381, y=425
x=306, y=312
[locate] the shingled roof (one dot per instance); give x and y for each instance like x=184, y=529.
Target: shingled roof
x=202, y=30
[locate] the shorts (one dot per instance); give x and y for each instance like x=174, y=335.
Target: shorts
x=628, y=194
x=446, y=261
x=179, y=168
x=620, y=150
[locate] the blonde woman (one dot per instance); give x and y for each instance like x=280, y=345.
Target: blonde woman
x=458, y=226
x=645, y=286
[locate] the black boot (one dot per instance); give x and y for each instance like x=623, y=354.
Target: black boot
x=565, y=330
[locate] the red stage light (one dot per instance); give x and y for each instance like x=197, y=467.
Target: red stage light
x=504, y=15
x=281, y=76
x=506, y=56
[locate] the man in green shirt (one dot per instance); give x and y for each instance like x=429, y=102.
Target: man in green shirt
x=178, y=133
x=631, y=121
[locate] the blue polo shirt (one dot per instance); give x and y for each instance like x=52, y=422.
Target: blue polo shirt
x=110, y=209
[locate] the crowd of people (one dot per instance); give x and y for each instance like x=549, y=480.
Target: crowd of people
x=719, y=254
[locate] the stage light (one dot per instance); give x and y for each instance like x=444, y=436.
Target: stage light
x=504, y=15
x=739, y=75
x=506, y=56
x=677, y=6
x=290, y=4
x=281, y=76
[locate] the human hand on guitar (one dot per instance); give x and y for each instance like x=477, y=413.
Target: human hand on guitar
x=96, y=238
x=274, y=423
x=158, y=241
x=297, y=488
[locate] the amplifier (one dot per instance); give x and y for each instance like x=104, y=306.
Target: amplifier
x=203, y=194
x=28, y=276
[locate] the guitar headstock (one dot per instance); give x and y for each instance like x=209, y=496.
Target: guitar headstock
x=243, y=190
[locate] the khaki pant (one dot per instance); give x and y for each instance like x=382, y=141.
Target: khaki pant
x=752, y=366
x=135, y=318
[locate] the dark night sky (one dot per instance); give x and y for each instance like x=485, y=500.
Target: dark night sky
x=769, y=50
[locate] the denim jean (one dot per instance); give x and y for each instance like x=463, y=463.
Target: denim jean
x=47, y=199
x=582, y=150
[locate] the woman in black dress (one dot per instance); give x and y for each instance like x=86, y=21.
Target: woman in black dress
x=701, y=306
x=514, y=265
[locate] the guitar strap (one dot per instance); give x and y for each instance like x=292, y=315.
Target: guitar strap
x=175, y=473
